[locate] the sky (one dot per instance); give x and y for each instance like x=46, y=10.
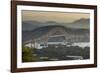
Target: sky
x=62, y=17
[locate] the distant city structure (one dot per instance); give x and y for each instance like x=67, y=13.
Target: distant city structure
x=57, y=36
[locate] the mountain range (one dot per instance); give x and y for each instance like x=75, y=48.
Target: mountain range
x=31, y=25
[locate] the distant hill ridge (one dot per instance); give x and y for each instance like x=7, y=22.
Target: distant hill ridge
x=31, y=25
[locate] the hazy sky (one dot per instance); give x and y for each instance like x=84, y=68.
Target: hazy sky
x=52, y=16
